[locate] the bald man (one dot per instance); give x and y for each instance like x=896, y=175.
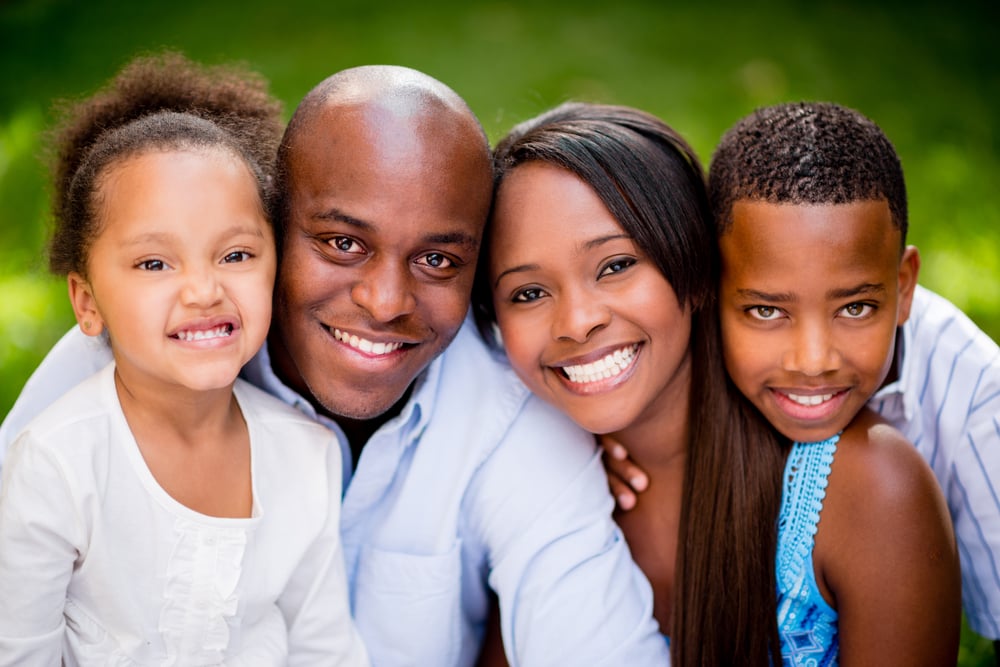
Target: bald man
x=458, y=481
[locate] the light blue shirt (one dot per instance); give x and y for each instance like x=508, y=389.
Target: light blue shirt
x=475, y=485
x=947, y=403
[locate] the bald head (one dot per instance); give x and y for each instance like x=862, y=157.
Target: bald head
x=402, y=114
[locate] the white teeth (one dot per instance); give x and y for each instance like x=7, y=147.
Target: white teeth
x=810, y=400
x=365, y=345
x=612, y=364
x=217, y=332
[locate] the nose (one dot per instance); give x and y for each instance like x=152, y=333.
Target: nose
x=202, y=288
x=385, y=290
x=579, y=315
x=813, y=350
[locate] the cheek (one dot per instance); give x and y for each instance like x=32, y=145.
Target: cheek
x=523, y=349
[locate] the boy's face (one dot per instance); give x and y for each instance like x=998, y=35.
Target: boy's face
x=810, y=299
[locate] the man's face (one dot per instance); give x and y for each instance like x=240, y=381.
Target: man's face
x=384, y=222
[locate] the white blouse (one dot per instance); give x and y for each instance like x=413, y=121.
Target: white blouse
x=99, y=565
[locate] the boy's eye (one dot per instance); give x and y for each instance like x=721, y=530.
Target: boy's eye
x=858, y=310
x=528, y=295
x=151, y=265
x=236, y=256
x=764, y=312
x=617, y=265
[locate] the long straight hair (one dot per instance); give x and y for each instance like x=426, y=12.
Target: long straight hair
x=724, y=605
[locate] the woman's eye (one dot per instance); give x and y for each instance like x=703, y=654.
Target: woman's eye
x=617, y=266
x=236, y=256
x=151, y=265
x=436, y=260
x=527, y=295
x=858, y=310
x=765, y=313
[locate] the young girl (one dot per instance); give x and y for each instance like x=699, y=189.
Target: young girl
x=600, y=274
x=164, y=511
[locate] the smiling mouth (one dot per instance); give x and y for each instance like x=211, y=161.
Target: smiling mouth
x=809, y=401
x=365, y=345
x=609, y=366
x=222, y=331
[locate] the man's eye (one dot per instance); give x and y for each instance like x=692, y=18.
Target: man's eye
x=436, y=260
x=345, y=244
x=151, y=265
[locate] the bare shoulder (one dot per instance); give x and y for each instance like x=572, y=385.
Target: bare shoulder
x=878, y=467
x=885, y=548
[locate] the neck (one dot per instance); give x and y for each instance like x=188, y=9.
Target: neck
x=360, y=431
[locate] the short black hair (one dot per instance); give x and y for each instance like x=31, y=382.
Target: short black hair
x=806, y=153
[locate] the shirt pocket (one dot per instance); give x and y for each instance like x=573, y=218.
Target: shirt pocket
x=408, y=607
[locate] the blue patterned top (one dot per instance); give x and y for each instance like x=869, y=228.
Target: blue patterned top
x=807, y=625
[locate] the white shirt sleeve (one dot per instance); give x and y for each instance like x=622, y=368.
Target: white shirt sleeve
x=73, y=359
x=40, y=535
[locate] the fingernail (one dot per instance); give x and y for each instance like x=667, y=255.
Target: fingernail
x=618, y=452
x=625, y=501
x=639, y=482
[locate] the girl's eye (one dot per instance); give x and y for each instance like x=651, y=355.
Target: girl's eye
x=528, y=295
x=858, y=310
x=236, y=256
x=617, y=265
x=151, y=265
x=765, y=313
x=436, y=260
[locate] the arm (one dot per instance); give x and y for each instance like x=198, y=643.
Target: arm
x=569, y=592
x=38, y=537
x=885, y=553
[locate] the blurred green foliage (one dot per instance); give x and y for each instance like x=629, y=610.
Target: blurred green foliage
x=928, y=73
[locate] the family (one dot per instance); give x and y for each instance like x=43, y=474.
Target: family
x=346, y=393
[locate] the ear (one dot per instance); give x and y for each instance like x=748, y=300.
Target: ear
x=909, y=268
x=84, y=305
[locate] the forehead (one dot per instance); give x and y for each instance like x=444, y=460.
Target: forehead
x=545, y=200
x=776, y=238
x=377, y=162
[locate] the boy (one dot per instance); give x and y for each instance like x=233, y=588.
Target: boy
x=943, y=388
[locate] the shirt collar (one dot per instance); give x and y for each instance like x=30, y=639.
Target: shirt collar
x=902, y=389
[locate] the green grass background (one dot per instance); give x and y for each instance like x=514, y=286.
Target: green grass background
x=929, y=74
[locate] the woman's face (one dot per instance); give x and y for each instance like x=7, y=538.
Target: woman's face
x=588, y=321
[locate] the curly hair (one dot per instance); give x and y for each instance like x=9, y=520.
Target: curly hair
x=157, y=102
x=805, y=153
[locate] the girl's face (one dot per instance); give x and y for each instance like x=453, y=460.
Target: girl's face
x=181, y=270
x=588, y=321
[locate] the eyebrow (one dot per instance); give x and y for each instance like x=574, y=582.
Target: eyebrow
x=585, y=246
x=443, y=238
x=837, y=293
